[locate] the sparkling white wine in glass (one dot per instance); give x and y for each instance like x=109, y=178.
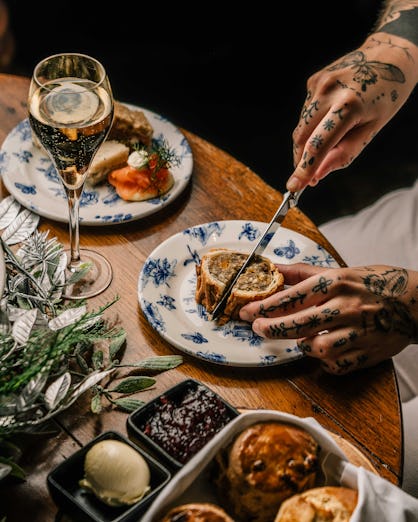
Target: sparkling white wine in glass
x=70, y=112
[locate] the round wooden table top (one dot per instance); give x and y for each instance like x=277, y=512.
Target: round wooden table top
x=363, y=408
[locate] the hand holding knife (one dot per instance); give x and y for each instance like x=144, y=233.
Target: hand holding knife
x=290, y=200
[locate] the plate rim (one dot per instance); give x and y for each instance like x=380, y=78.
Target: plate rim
x=176, y=342
x=125, y=217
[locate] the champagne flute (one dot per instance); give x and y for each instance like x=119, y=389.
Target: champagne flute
x=70, y=112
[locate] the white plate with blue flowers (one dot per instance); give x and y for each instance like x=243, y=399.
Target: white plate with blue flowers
x=167, y=283
x=30, y=177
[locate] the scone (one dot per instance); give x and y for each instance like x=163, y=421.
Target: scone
x=267, y=463
x=322, y=504
x=197, y=512
x=218, y=266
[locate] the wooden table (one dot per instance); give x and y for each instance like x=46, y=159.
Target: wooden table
x=363, y=408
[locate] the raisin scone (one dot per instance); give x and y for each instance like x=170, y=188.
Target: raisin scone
x=326, y=503
x=266, y=463
x=218, y=266
x=197, y=512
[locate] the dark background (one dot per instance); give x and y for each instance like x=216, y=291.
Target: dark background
x=235, y=76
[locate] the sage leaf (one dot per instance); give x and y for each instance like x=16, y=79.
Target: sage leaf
x=5, y=468
x=160, y=363
x=96, y=404
x=82, y=362
x=9, y=209
x=14, y=471
x=23, y=326
x=21, y=227
x=116, y=344
x=82, y=271
x=57, y=390
x=133, y=384
x=128, y=404
x=97, y=360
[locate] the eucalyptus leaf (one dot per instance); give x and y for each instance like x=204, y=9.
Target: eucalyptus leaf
x=57, y=390
x=22, y=327
x=5, y=205
x=87, y=383
x=21, y=227
x=9, y=209
x=31, y=391
x=133, y=384
x=70, y=316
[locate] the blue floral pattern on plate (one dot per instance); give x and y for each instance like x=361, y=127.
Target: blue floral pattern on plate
x=167, y=283
x=30, y=177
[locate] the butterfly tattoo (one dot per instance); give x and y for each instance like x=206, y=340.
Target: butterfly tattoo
x=368, y=72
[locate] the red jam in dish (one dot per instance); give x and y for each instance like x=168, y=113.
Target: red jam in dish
x=183, y=425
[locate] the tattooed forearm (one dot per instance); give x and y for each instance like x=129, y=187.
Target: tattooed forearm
x=399, y=18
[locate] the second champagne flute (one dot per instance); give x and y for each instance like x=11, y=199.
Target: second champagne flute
x=71, y=112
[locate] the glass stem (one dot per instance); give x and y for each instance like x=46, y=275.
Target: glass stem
x=73, y=197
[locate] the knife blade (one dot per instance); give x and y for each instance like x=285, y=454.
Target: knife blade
x=290, y=200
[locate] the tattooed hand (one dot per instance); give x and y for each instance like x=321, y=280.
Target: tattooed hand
x=349, y=101
x=350, y=318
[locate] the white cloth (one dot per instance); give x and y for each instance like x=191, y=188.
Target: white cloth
x=378, y=499
x=386, y=233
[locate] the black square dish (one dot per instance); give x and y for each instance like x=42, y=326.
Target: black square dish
x=179, y=422
x=63, y=484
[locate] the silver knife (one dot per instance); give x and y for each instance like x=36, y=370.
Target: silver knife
x=290, y=200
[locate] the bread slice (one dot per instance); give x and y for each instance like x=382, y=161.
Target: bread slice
x=218, y=266
x=111, y=155
x=130, y=126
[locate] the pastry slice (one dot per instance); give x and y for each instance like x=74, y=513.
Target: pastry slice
x=130, y=126
x=261, y=279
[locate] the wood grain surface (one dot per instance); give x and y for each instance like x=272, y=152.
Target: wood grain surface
x=362, y=408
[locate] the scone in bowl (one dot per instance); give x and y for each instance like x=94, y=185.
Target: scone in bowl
x=63, y=484
x=178, y=423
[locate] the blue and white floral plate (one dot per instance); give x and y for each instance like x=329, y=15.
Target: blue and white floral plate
x=30, y=177
x=167, y=283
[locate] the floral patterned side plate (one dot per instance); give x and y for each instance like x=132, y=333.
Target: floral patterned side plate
x=30, y=177
x=166, y=292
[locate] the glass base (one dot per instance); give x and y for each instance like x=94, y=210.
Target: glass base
x=97, y=279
